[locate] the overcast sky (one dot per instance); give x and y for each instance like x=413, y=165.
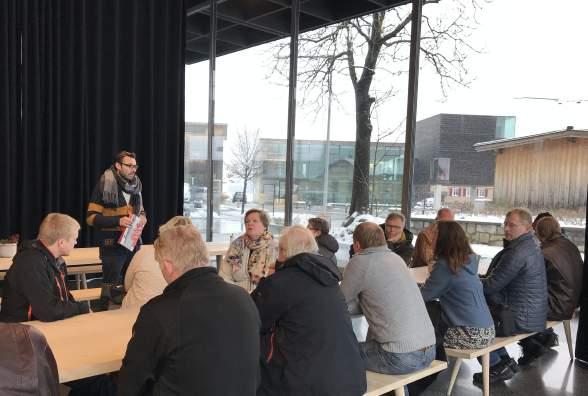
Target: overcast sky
x=530, y=48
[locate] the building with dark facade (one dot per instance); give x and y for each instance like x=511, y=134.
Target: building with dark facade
x=447, y=168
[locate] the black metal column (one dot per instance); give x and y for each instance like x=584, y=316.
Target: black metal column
x=294, y=29
x=411, y=110
x=211, y=87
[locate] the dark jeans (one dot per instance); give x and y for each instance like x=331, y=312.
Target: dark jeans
x=115, y=261
x=100, y=385
x=380, y=361
x=496, y=356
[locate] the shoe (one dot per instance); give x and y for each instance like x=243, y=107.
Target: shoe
x=499, y=372
x=512, y=365
x=531, y=349
x=551, y=340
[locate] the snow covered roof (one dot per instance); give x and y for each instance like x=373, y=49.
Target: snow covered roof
x=569, y=133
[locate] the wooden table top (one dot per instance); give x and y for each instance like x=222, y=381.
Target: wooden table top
x=90, y=344
x=90, y=255
x=420, y=274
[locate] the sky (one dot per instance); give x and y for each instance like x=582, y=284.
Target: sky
x=529, y=49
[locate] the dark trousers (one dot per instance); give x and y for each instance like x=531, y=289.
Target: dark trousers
x=115, y=261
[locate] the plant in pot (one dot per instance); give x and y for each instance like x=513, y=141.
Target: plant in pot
x=8, y=246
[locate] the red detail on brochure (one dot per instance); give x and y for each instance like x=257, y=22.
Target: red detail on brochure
x=131, y=234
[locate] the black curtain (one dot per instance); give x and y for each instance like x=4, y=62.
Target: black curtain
x=97, y=77
x=582, y=333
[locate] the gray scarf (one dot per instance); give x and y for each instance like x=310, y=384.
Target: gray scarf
x=111, y=181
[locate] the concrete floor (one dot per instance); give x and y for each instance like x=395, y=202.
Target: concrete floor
x=551, y=374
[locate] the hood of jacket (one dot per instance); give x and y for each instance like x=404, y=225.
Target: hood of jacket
x=36, y=246
x=328, y=242
x=317, y=267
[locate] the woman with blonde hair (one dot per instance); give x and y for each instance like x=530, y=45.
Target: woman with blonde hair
x=252, y=256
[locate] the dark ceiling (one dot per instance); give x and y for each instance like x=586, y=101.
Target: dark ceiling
x=246, y=23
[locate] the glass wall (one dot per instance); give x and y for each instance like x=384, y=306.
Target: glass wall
x=505, y=136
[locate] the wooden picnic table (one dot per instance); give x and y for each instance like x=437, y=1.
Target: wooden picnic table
x=83, y=261
x=90, y=344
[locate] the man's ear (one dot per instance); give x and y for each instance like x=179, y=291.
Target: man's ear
x=118, y=166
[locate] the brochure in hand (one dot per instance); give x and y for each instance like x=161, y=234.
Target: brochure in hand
x=131, y=234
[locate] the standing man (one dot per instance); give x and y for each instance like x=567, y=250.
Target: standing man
x=116, y=198
x=35, y=287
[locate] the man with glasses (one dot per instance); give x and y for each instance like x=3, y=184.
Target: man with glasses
x=516, y=281
x=114, y=202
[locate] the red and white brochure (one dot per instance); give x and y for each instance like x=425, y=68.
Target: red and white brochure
x=131, y=234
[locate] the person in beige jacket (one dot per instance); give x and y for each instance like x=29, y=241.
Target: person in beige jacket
x=143, y=279
x=424, y=249
x=252, y=256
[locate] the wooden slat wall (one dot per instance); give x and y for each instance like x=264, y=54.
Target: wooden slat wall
x=549, y=174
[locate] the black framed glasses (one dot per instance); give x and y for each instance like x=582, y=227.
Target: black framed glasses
x=131, y=166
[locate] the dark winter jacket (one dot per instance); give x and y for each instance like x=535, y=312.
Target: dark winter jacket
x=35, y=287
x=27, y=365
x=104, y=218
x=328, y=246
x=308, y=344
x=402, y=248
x=564, y=267
x=516, y=277
x=200, y=337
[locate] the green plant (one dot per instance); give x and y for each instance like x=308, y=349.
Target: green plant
x=11, y=239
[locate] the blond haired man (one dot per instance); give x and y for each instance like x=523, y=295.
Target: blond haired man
x=308, y=344
x=201, y=336
x=35, y=287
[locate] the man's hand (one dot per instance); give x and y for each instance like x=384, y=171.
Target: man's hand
x=142, y=220
x=125, y=221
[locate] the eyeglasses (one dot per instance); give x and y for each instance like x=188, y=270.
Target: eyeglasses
x=132, y=166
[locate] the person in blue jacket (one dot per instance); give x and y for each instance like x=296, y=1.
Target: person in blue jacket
x=455, y=282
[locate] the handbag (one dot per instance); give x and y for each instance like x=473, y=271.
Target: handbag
x=503, y=320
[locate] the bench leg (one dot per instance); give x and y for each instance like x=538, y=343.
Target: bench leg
x=486, y=373
x=78, y=281
x=84, y=282
x=568, y=330
x=399, y=391
x=454, y=372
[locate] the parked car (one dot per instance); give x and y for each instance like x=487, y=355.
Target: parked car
x=238, y=197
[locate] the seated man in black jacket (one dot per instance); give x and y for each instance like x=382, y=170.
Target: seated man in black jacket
x=35, y=287
x=201, y=336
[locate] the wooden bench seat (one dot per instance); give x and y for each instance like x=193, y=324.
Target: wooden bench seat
x=379, y=384
x=498, y=343
x=83, y=294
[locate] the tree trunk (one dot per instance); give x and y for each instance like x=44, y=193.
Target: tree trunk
x=361, y=165
x=244, y=197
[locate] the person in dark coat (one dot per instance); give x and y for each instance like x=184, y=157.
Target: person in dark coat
x=516, y=277
x=327, y=245
x=200, y=337
x=28, y=366
x=564, y=267
x=308, y=344
x=35, y=287
x=398, y=238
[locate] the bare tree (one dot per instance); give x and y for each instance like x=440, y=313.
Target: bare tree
x=244, y=164
x=382, y=38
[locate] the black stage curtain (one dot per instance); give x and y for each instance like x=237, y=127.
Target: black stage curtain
x=582, y=334
x=97, y=77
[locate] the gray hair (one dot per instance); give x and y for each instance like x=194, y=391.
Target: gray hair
x=297, y=239
x=524, y=215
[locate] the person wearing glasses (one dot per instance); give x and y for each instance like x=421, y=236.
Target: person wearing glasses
x=516, y=281
x=114, y=202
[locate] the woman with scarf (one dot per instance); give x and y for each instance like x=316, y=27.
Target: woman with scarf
x=252, y=256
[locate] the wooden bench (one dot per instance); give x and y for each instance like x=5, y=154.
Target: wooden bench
x=83, y=294
x=379, y=384
x=498, y=343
